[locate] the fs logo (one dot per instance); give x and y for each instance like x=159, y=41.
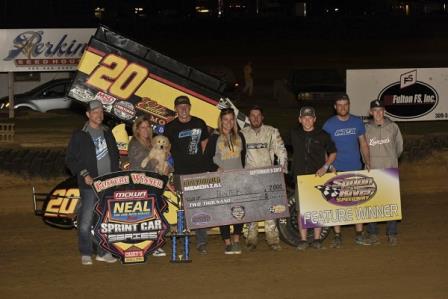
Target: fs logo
x=408, y=79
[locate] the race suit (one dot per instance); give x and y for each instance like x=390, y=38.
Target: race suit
x=262, y=147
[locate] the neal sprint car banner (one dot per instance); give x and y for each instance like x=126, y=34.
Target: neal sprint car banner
x=130, y=209
x=349, y=197
x=236, y=196
x=414, y=94
x=131, y=79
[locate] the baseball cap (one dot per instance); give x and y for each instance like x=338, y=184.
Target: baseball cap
x=181, y=100
x=376, y=103
x=93, y=105
x=307, y=111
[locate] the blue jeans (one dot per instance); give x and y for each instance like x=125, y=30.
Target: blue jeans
x=85, y=221
x=201, y=237
x=391, y=229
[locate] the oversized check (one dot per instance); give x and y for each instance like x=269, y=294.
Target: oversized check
x=236, y=196
x=349, y=197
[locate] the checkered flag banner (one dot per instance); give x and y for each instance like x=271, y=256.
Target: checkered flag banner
x=329, y=191
x=242, y=119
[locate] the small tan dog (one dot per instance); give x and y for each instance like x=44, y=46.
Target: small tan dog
x=157, y=160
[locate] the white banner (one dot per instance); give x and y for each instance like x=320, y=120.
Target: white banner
x=42, y=50
x=409, y=94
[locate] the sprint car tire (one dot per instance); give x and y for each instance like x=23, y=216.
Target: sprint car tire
x=288, y=227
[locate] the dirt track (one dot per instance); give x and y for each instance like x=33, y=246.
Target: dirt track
x=37, y=260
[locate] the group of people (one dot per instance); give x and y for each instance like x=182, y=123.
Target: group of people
x=344, y=144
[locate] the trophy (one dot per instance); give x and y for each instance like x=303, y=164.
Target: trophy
x=182, y=235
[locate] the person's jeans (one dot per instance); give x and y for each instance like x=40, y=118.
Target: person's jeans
x=85, y=221
x=201, y=237
x=391, y=228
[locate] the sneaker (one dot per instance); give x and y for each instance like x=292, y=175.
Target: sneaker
x=373, y=239
x=86, y=260
x=236, y=248
x=392, y=240
x=251, y=247
x=275, y=247
x=317, y=244
x=202, y=249
x=159, y=252
x=107, y=258
x=361, y=240
x=303, y=245
x=228, y=249
x=337, y=241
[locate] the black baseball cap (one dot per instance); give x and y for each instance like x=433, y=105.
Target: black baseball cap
x=376, y=103
x=181, y=100
x=307, y=111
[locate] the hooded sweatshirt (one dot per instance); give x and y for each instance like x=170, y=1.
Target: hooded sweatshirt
x=385, y=143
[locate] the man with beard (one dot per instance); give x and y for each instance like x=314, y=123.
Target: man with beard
x=348, y=133
x=263, y=145
x=188, y=136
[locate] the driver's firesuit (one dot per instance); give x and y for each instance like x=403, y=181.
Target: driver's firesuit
x=264, y=146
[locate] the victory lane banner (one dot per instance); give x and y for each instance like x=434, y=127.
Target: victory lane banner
x=236, y=196
x=130, y=210
x=349, y=197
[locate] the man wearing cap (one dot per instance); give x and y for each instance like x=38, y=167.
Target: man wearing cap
x=385, y=147
x=263, y=145
x=314, y=153
x=348, y=133
x=91, y=152
x=188, y=136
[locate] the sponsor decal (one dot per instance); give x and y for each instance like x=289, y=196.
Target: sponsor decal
x=277, y=209
x=348, y=189
x=81, y=93
x=238, y=212
x=202, y=183
x=158, y=114
x=106, y=100
x=124, y=110
x=409, y=98
x=200, y=219
x=62, y=203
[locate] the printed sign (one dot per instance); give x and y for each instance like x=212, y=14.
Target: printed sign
x=43, y=50
x=349, y=197
x=408, y=94
x=130, y=208
x=237, y=196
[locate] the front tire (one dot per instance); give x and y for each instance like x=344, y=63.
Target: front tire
x=289, y=227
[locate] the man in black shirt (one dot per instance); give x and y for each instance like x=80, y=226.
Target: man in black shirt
x=314, y=152
x=188, y=136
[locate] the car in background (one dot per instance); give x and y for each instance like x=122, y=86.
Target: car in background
x=316, y=84
x=43, y=98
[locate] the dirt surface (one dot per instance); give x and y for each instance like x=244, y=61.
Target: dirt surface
x=37, y=260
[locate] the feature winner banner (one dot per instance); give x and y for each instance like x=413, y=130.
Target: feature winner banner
x=236, y=196
x=130, y=209
x=415, y=94
x=131, y=79
x=349, y=197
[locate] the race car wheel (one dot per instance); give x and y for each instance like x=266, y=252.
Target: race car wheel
x=289, y=228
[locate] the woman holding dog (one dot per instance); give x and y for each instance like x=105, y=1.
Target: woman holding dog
x=226, y=150
x=138, y=150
